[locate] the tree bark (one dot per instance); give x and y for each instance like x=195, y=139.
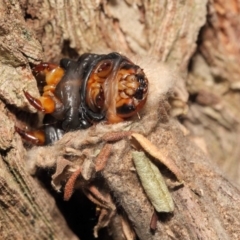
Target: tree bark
x=214, y=86
x=207, y=205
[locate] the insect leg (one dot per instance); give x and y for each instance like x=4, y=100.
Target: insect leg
x=44, y=104
x=36, y=137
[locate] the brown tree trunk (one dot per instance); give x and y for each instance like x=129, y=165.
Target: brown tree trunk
x=206, y=59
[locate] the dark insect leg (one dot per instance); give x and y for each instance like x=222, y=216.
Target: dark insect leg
x=35, y=137
x=44, y=104
x=44, y=67
x=53, y=74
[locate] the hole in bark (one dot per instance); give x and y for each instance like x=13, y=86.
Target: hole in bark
x=219, y=79
x=79, y=212
x=164, y=217
x=67, y=51
x=28, y=16
x=113, y=2
x=192, y=98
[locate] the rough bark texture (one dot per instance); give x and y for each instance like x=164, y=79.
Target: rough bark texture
x=214, y=86
x=27, y=210
x=207, y=206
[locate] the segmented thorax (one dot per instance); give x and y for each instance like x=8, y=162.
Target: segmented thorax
x=118, y=87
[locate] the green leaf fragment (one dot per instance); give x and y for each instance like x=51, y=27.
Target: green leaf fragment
x=153, y=183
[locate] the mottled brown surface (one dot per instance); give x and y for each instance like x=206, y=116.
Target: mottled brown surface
x=207, y=206
x=27, y=210
x=214, y=85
